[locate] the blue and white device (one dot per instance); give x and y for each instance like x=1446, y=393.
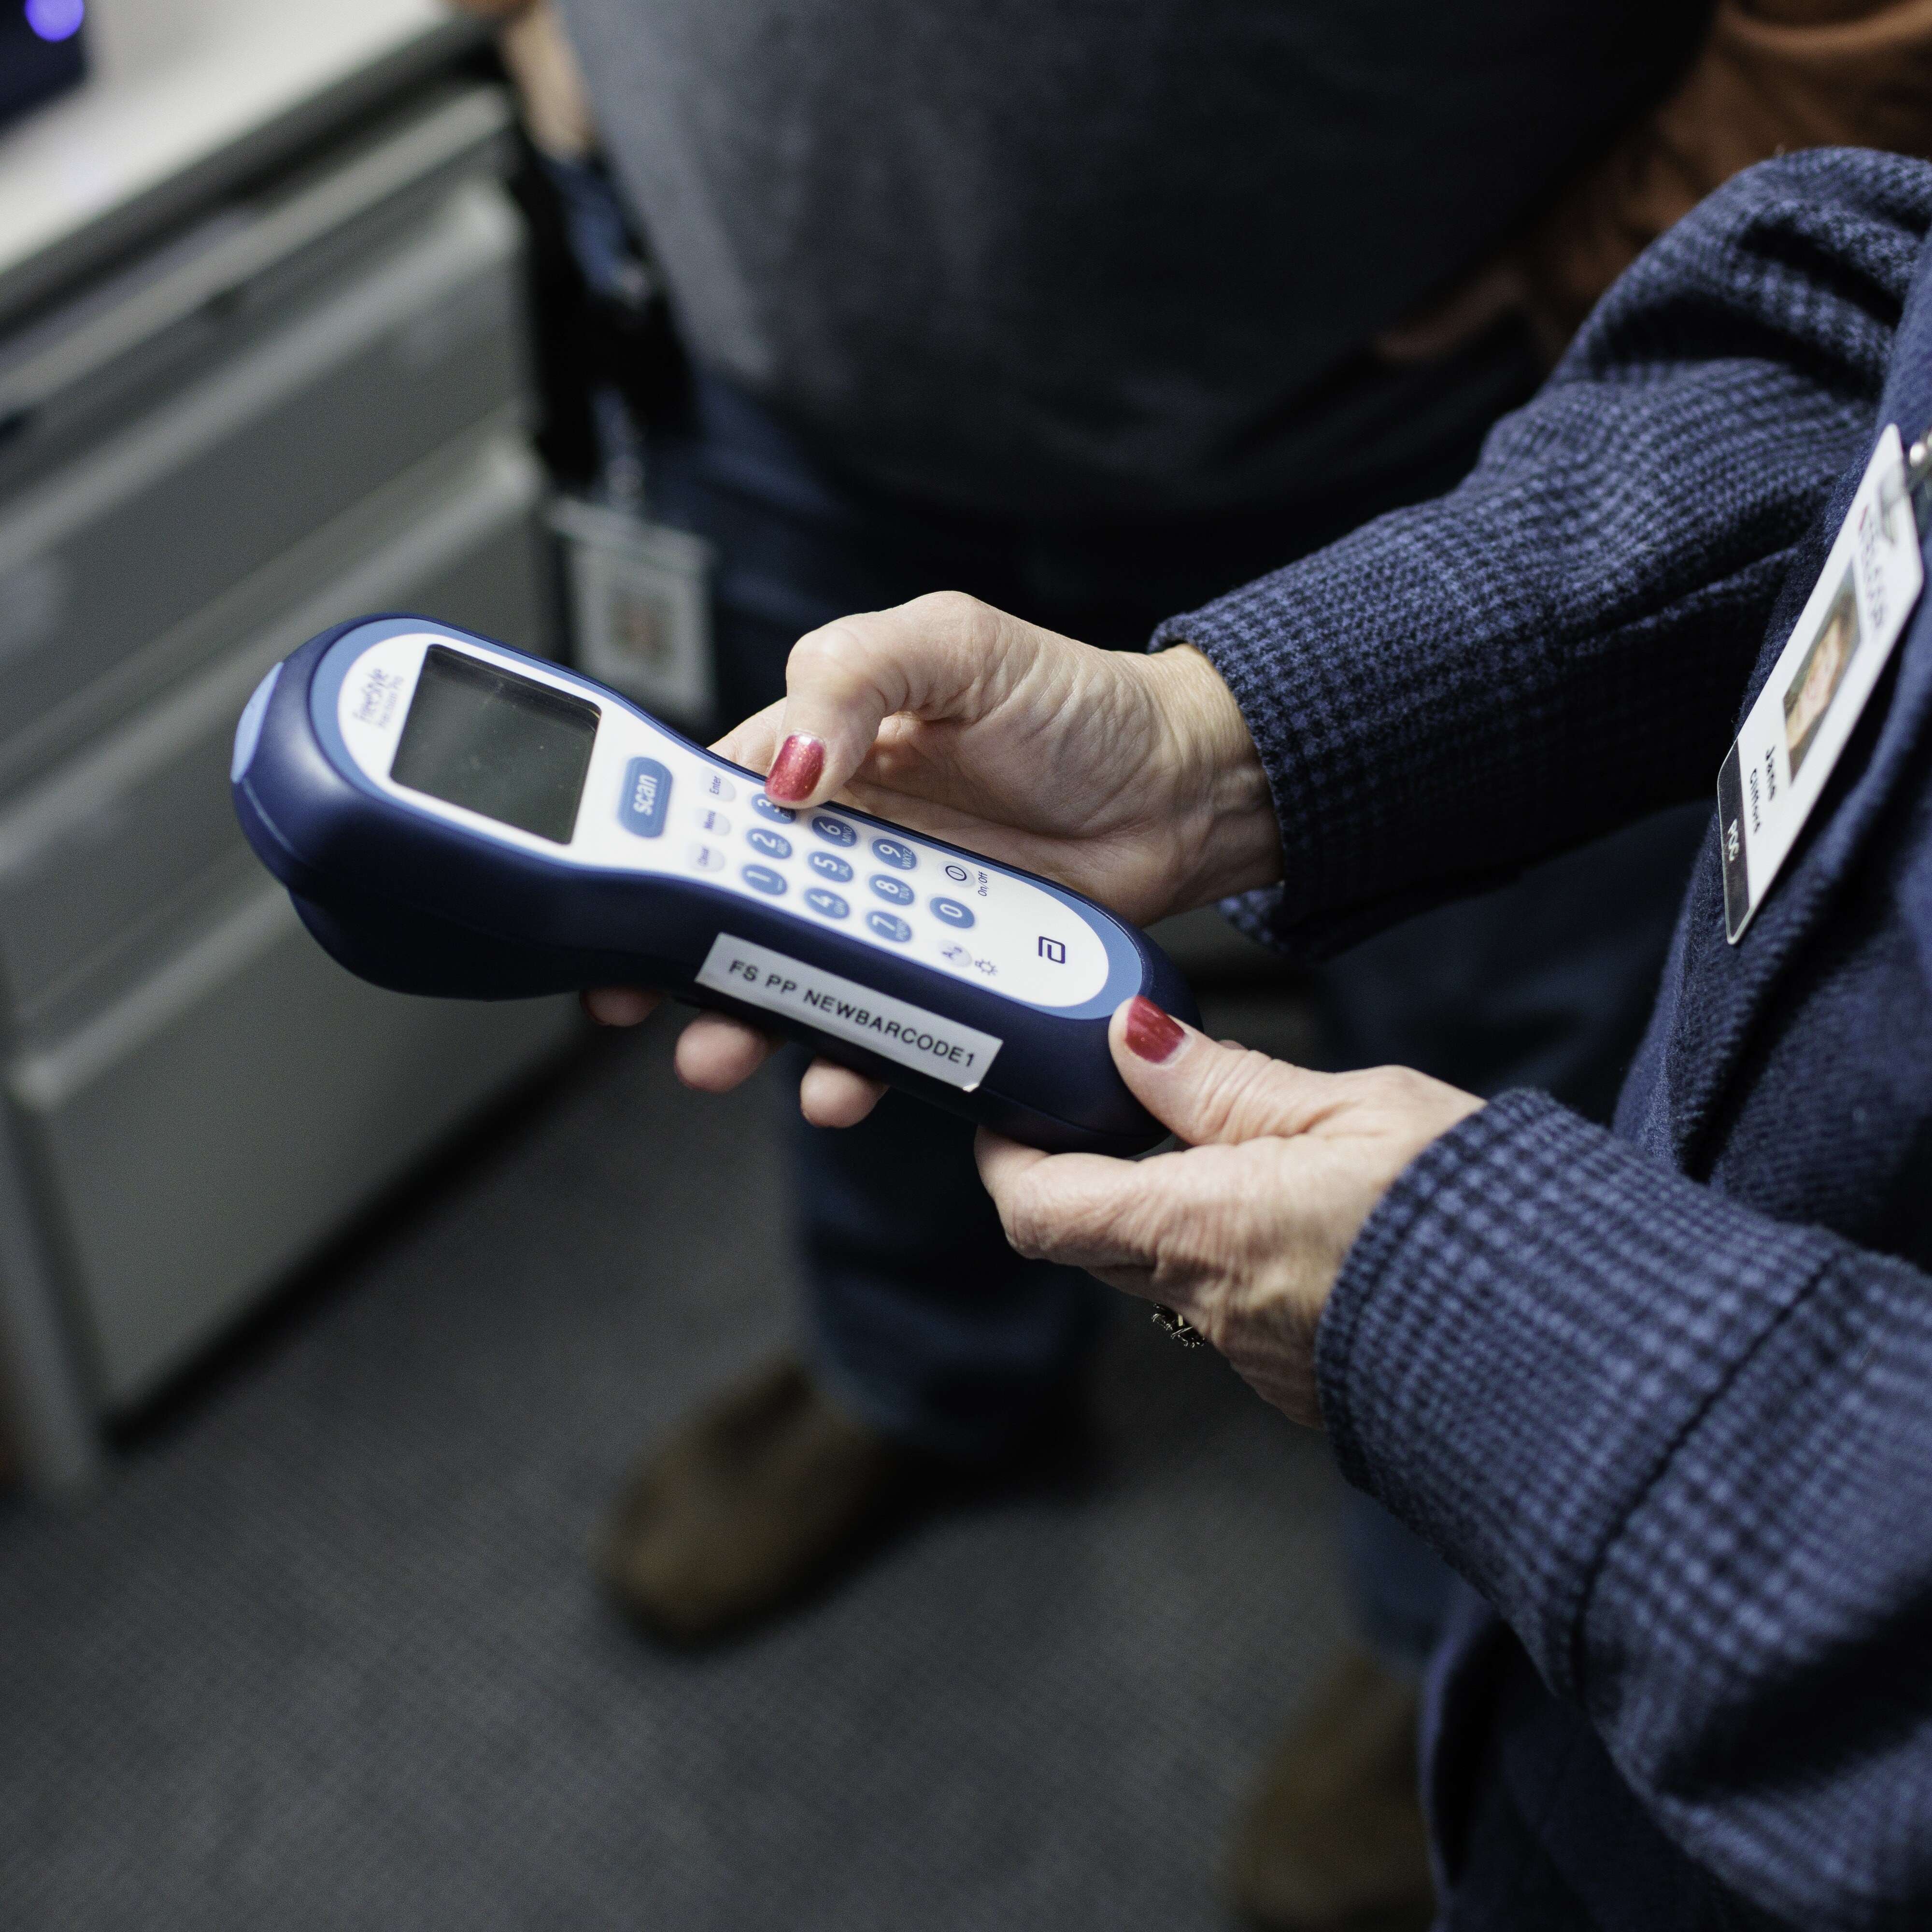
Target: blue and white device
x=452, y=816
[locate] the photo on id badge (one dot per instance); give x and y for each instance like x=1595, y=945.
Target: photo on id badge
x=1808, y=697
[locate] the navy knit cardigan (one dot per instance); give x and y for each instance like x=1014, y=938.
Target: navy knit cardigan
x=1662, y=1394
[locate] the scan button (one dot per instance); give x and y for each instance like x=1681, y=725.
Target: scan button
x=647, y=797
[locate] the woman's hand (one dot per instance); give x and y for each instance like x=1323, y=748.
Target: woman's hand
x=1130, y=778
x=1243, y=1231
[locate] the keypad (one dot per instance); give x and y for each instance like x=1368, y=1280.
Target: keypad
x=830, y=851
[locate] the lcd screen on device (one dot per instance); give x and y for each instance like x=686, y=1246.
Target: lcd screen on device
x=514, y=750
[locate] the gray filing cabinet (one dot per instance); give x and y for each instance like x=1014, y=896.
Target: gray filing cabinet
x=310, y=403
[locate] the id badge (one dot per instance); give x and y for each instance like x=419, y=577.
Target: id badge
x=640, y=608
x=1805, y=714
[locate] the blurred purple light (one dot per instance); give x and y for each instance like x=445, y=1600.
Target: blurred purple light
x=56, y=19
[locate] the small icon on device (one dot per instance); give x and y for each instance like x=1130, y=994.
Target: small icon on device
x=957, y=873
x=1053, y=949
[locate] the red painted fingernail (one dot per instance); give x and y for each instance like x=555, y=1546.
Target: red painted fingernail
x=796, y=770
x=1151, y=1033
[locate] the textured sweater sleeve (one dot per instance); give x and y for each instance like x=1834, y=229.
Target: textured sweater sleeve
x=1558, y=645
x=1684, y=1450
x=1774, y=75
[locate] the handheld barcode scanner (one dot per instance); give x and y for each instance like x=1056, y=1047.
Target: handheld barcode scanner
x=452, y=816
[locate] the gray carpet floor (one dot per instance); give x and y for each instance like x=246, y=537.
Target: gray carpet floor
x=326, y=1654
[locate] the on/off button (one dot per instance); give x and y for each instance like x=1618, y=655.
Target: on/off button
x=647, y=797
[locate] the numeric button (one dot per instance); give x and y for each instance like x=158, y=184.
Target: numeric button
x=781, y=814
x=889, y=925
x=896, y=854
x=834, y=831
x=763, y=879
x=830, y=904
x=952, y=913
x=829, y=865
x=894, y=892
x=769, y=843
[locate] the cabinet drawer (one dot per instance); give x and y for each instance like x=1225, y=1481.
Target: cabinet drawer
x=95, y=855
x=102, y=557
x=199, y=1139
x=116, y=343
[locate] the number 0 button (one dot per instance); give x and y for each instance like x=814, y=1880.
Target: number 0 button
x=952, y=913
x=890, y=852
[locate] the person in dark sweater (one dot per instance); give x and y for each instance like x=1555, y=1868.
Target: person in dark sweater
x=1662, y=1392
x=1092, y=313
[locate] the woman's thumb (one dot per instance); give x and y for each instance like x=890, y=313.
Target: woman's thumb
x=1206, y=1093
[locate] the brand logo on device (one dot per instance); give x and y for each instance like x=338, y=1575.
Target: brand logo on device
x=376, y=703
x=1055, y=949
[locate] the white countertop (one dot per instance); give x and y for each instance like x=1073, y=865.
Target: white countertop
x=172, y=85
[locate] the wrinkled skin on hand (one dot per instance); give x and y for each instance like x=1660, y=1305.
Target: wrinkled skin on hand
x=1243, y=1231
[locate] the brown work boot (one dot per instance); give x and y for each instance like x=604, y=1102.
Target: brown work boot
x=766, y=1491
x=1333, y=1840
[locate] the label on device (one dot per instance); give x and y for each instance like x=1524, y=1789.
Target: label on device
x=894, y=1029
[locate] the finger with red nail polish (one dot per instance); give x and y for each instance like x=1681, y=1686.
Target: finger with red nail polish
x=1150, y=1034
x=797, y=770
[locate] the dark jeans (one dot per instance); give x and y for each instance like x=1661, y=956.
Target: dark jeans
x=919, y=1318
